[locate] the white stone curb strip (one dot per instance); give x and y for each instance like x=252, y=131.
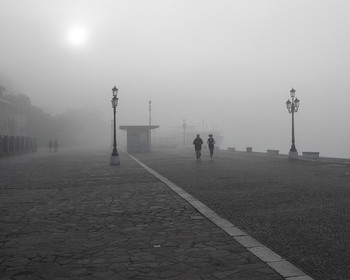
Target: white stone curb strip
x=276, y=262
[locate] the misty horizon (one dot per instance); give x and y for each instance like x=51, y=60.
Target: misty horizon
x=228, y=64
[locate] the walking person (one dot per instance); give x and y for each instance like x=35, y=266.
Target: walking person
x=198, y=142
x=50, y=144
x=211, y=143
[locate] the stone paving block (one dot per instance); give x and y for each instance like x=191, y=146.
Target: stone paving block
x=220, y=222
x=224, y=274
x=248, y=241
x=265, y=254
x=305, y=277
x=286, y=269
x=233, y=231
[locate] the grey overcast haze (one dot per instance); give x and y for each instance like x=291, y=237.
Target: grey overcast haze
x=228, y=64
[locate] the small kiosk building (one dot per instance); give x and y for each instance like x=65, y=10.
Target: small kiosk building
x=138, y=137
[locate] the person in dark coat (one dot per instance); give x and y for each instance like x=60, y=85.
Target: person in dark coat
x=211, y=143
x=198, y=142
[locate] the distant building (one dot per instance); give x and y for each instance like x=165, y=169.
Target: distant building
x=12, y=119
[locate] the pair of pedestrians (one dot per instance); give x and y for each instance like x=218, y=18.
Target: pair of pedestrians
x=198, y=142
x=53, y=144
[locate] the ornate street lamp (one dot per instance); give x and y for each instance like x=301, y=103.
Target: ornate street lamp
x=293, y=107
x=115, y=156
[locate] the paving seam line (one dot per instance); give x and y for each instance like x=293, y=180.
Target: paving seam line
x=273, y=260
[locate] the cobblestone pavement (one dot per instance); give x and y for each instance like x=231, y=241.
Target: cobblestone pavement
x=71, y=215
x=299, y=209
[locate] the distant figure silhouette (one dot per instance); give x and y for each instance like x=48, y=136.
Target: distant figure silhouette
x=211, y=143
x=198, y=142
x=50, y=144
x=55, y=145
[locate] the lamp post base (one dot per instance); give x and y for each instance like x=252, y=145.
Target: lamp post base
x=115, y=160
x=293, y=155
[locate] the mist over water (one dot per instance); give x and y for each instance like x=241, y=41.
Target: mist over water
x=225, y=66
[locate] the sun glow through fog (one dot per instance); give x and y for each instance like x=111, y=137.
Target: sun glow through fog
x=77, y=35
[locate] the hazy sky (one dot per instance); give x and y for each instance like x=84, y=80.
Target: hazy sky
x=229, y=63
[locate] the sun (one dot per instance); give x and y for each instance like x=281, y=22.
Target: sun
x=77, y=35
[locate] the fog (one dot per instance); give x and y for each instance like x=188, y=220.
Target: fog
x=228, y=65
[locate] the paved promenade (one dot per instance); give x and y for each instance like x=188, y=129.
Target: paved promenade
x=71, y=215
x=299, y=209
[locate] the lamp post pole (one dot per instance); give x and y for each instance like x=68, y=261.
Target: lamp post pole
x=150, y=123
x=293, y=107
x=184, y=128
x=115, y=156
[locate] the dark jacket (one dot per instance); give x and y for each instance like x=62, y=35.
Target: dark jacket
x=211, y=142
x=198, y=142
